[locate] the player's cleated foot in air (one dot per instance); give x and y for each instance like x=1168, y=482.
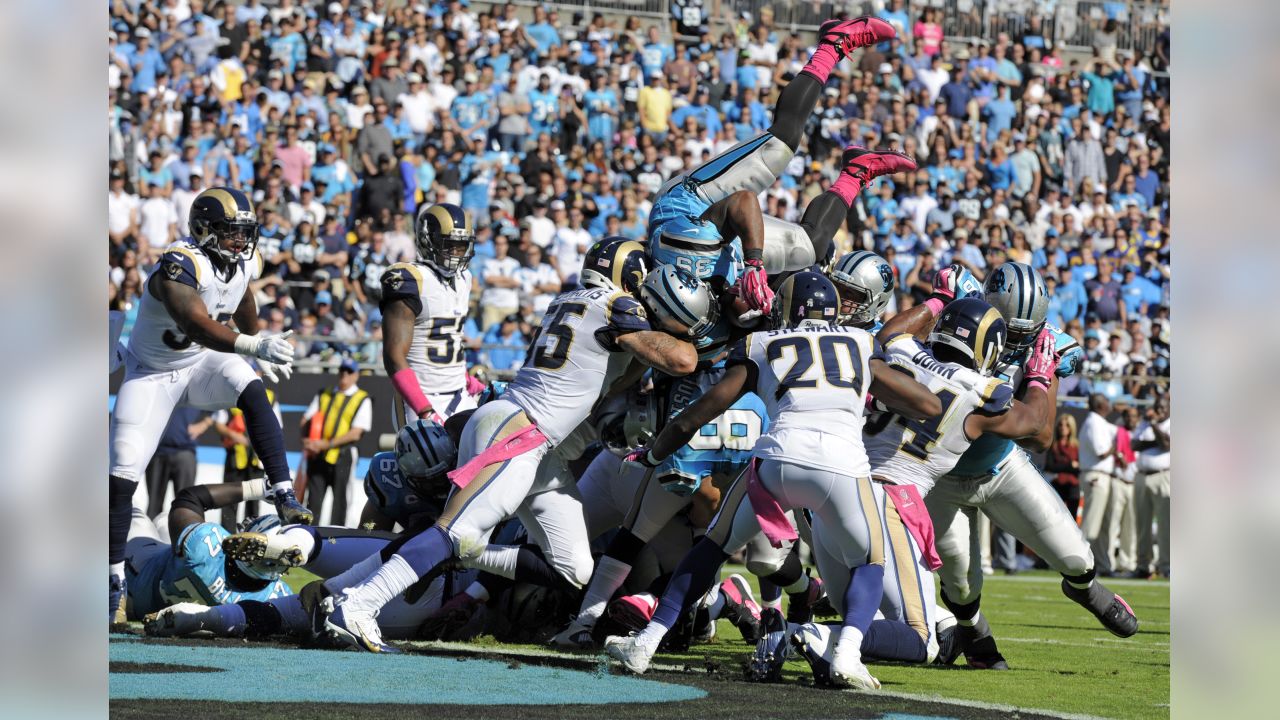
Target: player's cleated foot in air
x=291, y=511
x=772, y=650
x=848, y=35
x=800, y=609
x=848, y=671
x=629, y=652
x=175, y=620
x=574, y=637
x=633, y=612
x=867, y=165
x=115, y=600
x=740, y=607
x=813, y=642
x=979, y=645
x=357, y=628
x=256, y=547
x=1110, y=609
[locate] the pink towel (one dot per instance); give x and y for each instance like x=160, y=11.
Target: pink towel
x=772, y=518
x=916, y=517
x=517, y=443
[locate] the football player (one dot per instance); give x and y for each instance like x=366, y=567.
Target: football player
x=814, y=377
x=182, y=351
x=194, y=569
x=908, y=455
x=424, y=306
x=708, y=221
x=505, y=441
x=995, y=476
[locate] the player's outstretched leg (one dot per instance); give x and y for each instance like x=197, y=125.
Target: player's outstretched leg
x=836, y=39
x=268, y=442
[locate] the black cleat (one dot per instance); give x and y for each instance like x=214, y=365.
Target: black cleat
x=949, y=646
x=291, y=511
x=979, y=645
x=772, y=650
x=1110, y=609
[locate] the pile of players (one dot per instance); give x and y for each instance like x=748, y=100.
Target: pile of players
x=723, y=385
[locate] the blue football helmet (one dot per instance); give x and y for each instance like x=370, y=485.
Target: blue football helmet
x=1017, y=291
x=615, y=263
x=678, y=302
x=866, y=283
x=425, y=454
x=805, y=298
x=689, y=243
x=974, y=330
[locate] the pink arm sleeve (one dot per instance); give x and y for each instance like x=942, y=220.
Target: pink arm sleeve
x=406, y=384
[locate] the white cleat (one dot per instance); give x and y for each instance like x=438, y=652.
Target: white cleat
x=175, y=620
x=628, y=652
x=848, y=671
x=357, y=628
x=270, y=548
x=574, y=637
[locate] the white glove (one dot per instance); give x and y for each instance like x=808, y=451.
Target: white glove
x=272, y=348
x=275, y=372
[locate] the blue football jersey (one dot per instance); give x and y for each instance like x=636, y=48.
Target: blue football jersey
x=392, y=495
x=722, y=446
x=988, y=450
x=681, y=201
x=196, y=573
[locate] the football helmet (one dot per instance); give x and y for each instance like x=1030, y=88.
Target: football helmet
x=1018, y=292
x=974, y=330
x=678, y=302
x=804, y=299
x=865, y=283
x=445, y=236
x=425, y=454
x=222, y=222
x=615, y=263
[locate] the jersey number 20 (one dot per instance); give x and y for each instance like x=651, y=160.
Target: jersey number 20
x=830, y=348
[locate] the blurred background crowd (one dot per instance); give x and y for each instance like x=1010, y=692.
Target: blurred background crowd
x=1041, y=128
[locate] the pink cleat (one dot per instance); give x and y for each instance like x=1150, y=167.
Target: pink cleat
x=866, y=165
x=848, y=34
x=633, y=611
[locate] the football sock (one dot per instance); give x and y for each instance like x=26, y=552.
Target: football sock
x=478, y=591
x=845, y=188
x=796, y=103
x=288, y=614
x=610, y=574
x=120, y=502
x=225, y=620
x=336, y=550
x=355, y=574
x=713, y=601
x=770, y=595
x=821, y=63
x=497, y=559
x=850, y=641
x=692, y=579
x=966, y=613
x=824, y=216
x=264, y=433
x=893, y=640
x=625, y=546
x=1081, y=582
x=394, y=577
x=862, y=597
x=426, y=550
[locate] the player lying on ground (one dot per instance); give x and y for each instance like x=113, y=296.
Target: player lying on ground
x=181, y=351
x=814, y=376
x=995, y=476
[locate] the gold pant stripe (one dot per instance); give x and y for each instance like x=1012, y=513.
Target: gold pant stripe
x=722, y=523
x=905, y=564
x=875, y=530
x=460, y=498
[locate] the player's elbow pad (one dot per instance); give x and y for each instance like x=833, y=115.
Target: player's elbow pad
x=196, y=498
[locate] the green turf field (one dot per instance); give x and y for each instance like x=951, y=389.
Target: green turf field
x=1062, y=662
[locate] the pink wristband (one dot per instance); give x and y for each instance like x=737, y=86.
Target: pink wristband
x=406, y=383
x=935, y=305
x=1038, y=383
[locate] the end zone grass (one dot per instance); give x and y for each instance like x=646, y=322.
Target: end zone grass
x=1060, y=658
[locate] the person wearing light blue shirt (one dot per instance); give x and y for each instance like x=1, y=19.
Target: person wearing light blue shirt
x=545, y=107
x=999, y=114
x=602, y=107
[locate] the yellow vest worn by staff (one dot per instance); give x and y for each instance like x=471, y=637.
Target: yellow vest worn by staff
x=338, y=421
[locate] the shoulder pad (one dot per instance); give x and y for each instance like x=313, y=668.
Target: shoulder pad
x=997, y=396
x=182, y=263
x=403, y=281
x=901, y=344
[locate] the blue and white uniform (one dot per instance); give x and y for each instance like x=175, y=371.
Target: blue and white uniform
x=196, y=572
x=393, y=497
x=996, y=476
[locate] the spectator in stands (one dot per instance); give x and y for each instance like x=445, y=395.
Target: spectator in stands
x=1062, y=463
x=538, y=280
x=505, y=345
x=502, y=283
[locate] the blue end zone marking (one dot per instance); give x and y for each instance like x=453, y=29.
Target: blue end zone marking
x=277, y=675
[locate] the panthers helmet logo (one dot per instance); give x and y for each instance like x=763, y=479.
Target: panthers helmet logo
x=886, y=274
x=998, y=281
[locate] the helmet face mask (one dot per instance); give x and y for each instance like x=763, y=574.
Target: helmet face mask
x=855, y=304
x=445, y=238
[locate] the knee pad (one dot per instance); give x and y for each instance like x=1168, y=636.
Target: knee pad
x=125, y=461
x=579, y=573
x=764, y=566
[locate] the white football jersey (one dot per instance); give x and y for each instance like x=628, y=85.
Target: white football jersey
x=814, y=383
x=437, y=354
x=156, y=341
x=568, y=361
x=919, y=452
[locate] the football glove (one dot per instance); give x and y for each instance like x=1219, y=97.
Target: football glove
x=953, y=282
x=753, y=286
x=641, y=456
x=1041, y=362
x=272, y=348
x=275, y=372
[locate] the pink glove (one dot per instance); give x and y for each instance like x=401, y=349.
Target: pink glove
x=1040, y=362
x=944, y=282
x=474, y=386
x=641, y=456
x=754, y=287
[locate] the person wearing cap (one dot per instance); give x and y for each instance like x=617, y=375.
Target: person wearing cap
x=145, y=63
x=332, y=426
x=504, y=345
x=391, y=84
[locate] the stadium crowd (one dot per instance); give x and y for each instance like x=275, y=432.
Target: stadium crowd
x=340, y=118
